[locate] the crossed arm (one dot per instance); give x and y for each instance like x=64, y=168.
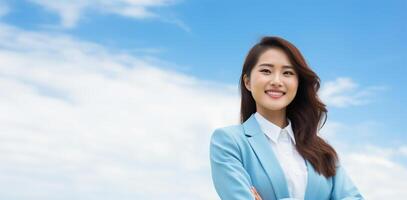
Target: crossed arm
x=230, y=179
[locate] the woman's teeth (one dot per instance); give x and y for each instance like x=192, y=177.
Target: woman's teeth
x=275, y=94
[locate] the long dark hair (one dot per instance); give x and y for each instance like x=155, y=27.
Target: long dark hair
x=306, y=111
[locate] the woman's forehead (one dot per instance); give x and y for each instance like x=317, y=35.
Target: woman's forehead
x=274, y=56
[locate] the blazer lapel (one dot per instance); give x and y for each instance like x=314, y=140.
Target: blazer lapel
x=265, y=154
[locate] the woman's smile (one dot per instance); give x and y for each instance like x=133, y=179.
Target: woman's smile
x=275, y=94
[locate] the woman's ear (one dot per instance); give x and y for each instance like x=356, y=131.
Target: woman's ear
x=246, y=81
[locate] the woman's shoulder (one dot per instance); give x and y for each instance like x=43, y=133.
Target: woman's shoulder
x=231, y=131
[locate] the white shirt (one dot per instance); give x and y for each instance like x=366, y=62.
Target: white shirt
x=293, y=164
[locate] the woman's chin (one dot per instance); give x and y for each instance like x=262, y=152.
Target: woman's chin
x=275, y=108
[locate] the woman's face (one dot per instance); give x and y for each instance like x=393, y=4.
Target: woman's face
x=273, y=81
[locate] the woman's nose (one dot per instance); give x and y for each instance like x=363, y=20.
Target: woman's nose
x=275, y=79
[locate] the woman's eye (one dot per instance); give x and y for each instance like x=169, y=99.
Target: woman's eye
x=265, y=70
x=288, y=72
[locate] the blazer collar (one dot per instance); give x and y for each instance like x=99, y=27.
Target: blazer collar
x=271, y=166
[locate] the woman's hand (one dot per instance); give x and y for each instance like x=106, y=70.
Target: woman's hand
x=256, y=195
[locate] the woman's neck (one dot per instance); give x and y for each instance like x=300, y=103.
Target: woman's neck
x=277, y=117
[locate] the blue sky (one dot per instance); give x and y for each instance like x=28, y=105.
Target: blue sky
x=362, y=40
x=356, y=47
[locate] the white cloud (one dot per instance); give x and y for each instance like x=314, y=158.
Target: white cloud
x=83, y=122
x=403, y=150
x=71, y=11
x=344, y=92
x=377, y=171
x=377, y=176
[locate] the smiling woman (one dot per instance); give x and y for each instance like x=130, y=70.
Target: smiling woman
x=275, y=153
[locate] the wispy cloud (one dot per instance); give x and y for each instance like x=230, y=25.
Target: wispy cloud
x=376, y=172
x=86, y=122
x=83, y=122
x=71, y=12
x=369, y=164
x=345, y=92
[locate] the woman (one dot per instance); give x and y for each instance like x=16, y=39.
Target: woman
x=275, y=153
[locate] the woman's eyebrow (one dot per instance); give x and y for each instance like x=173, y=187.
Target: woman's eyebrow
x=271, y=65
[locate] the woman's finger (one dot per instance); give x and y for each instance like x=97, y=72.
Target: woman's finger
x=256, y=195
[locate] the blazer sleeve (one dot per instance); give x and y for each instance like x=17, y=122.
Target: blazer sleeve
x=343, y=187
x=231, y=180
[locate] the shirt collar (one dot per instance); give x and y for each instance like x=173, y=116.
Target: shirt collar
x=271, y=130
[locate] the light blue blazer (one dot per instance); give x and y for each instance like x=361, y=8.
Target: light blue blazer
x=241, y=157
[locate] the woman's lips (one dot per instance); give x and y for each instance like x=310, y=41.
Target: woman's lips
x=275, y=95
